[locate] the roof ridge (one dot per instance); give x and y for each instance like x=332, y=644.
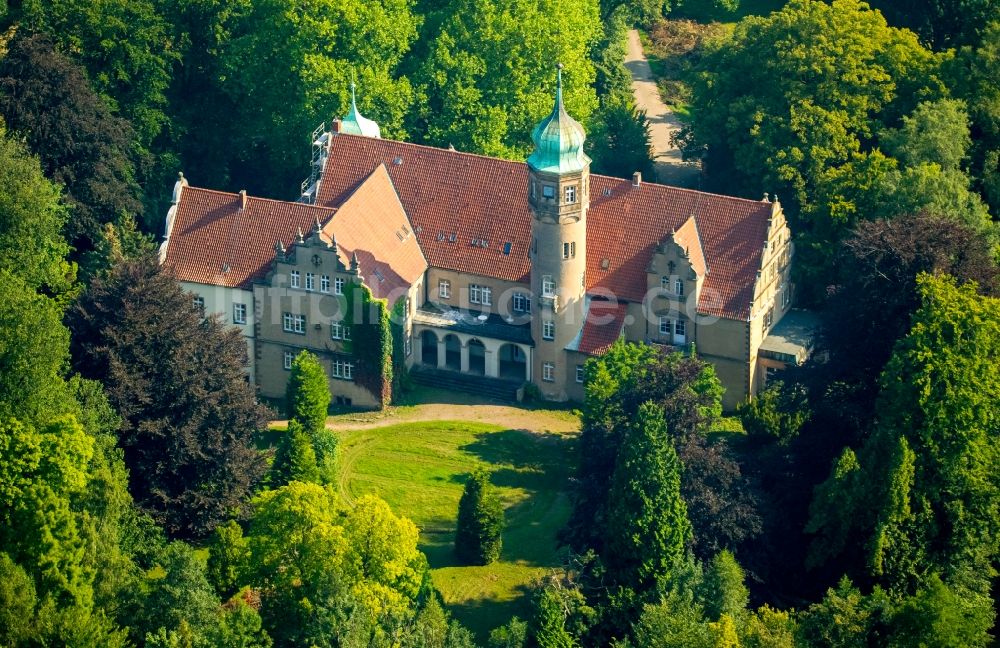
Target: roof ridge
x=236, y=195
x=522, y=163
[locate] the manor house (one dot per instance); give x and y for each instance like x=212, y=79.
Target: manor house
x=509, y=272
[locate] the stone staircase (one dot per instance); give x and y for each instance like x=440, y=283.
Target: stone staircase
x=495, y=388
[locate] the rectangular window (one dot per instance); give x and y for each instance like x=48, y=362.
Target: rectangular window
x=324, y=284
x=295, y=277
x=569, y=250
x=339, y=330
x=407, y=345
x=287, y=360
x=548, y=286
x=680, y=328
x=664, y=326
x=579, y=373
x=338, y=285
x=679, y=288
x=480, y=294
x=343, y=369
x=444, y=289
x=768, y=318
x=199, y=304
x=548, y=329
x=239, y=313
x=548, y=372
x=310, y=281
x=293, y=323
x=786, y=296
x=665, y=282
x=521, y=303
x=548, y=191
x=570, y=194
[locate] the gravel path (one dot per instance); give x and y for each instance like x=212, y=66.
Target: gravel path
x=670, y=167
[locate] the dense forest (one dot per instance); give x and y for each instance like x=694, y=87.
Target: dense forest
x=855, y=504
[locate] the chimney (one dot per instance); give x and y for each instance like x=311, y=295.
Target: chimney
x=335, y=126
x=636, y=178
x=243, y=199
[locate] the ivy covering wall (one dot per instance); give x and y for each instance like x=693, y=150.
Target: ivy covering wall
x=371, y=341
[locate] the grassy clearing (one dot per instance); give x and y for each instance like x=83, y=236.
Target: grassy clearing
x=419, y=468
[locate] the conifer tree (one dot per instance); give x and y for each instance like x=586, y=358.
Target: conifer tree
x=480, y=521
x=308, y=394
x=308, y=401
x=295, y=459
x=648, y=529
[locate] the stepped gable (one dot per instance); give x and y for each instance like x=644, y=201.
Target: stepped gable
x=454, y=199
x=215, y=241
x=372, y=220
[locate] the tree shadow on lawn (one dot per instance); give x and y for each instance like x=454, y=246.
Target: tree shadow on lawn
x=483, y=615
x=550, y=454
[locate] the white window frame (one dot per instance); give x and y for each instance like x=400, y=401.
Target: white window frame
x=680, y=328
x=444, y=289
x=294, y=279
x=239, y=313
x=548, y=286
x=198, y=302
x=324, y=283
x=665, y=282
x=338, y=285
x=479, y=294
x=521, y=303
x=548, y=329
x=339, y=330
x=292, y=323
x=548, y=371
x=579, y=374
x=310, y=281
x=569, y=250
x=287, y=360
x=342, y=369
x=569, y=194
x=679, y=287
x=665, y=327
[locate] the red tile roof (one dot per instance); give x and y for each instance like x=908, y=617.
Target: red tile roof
x=688, y=239
x=372, y=223
x=455, y=198
x=602, y=326
x=213, y=241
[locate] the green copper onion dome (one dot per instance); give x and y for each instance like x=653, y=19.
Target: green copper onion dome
x=558, y=140
x=355, y=124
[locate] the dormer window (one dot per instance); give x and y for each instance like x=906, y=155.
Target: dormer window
x=548, y=191
x=569, y=194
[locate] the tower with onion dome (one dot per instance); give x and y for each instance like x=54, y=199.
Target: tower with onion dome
x=558, y=196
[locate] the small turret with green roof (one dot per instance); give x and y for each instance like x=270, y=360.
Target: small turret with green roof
x=357, y=124
x=558, y=140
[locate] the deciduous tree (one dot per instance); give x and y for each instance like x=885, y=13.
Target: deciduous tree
x=178, y=381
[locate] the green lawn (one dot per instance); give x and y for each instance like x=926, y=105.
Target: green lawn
x=419, y=468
